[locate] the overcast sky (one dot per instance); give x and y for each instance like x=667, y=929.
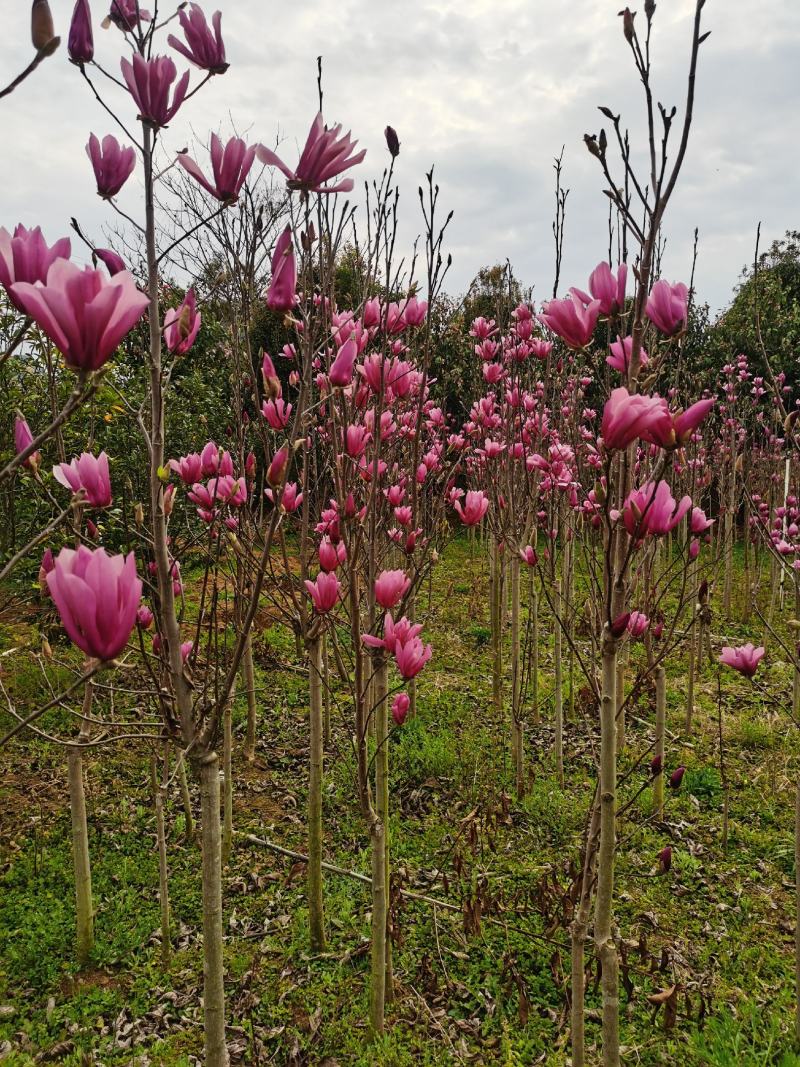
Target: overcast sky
x=487, y=90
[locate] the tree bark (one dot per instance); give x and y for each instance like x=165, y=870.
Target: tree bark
x=604, y=913
x=80, y=839
x=316, y=913
x=248, y=671
x=216, y=1053
x=661, y=719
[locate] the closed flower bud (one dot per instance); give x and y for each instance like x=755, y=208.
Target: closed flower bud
x=676, y=778
x=656, y=766
x=664, y=859
x=620, y=625
x=392, y=141
x=42, y=30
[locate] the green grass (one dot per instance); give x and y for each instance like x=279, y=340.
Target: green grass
x=719, y=924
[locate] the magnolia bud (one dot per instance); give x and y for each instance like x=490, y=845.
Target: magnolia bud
x=620, y=625
x=664, y=859
x=627, y=24
x=47, y=651
x=138, y=515
x=392, y=142
x=656, y=766
x=676, y=778
x=42, y=30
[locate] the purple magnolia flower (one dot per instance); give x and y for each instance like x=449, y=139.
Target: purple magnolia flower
x=127, y=14
x=97, y=597
x=667, y=307
x=149, y=82
x=89, y=473
x=84, y=313
x=80, y=43
x=231, y=164
x=325, y=155
x=112, y=164
x=281, y=292
x=203, y=47
x=26, y=257
x=112, y=261
x=181, y=325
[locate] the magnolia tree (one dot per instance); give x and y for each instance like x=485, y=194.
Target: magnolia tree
x=588, y=465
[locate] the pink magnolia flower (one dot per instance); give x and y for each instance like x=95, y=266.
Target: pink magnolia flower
x=391, y=587
x=476, y=504
x=528, y=555
x=278, y=466
x=652, y=510
x=331, y=555
x=411, y=656
x=277, y=413
x=269, y=376
x=80, y=43
x=628, y=416
x=694, y=550
x=182, y=324
x=230, y=165
x=744, y=659
x=324, y=592
x=281, y=292
x=620, y=356
x=85, y=314
x=686, y=422
x=127, y=14
x=341, y=372
x=144, y=617
x=112, y=164
x=203, y=47
x=573, y=322
x=26, y=257
x=97, y=597
x=149, y=82
x=113, y=263
x=667, y=307
x=188, y=468
x=89, y=473
x=215, y=461
x=187, y=647
x=603, y=286
x=400, y=706
x=47, y=564
x=637, y=624
x=699, y=523
x=325, y=155
x=23, y=439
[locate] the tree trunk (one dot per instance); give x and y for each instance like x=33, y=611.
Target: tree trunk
x=159, y=792
x=227, y=781
x=250, y=685
x=216, y=1053
x=80, y=839
x=578, y=931
x=517, y=725
x=316, y=914
x=661, y=718
x=558, y=695
x=377, y=991
x=797, y=912
x=381, y=693
x=604, y=913
x=186, y=798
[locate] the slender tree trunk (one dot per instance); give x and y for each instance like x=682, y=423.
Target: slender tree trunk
x=186, y=798
x=80, y=839
x=558, y=695
x=578, y=931
x=248, y=670
x=159, y=796
x=517, y=724
x=604, y=905
x=227, y=781
x=621, y=703
x=216, y=1053
x=534, y=610
x=326, y=682
x=691, y=667
x=381, y=694
x=661, y=719
x=316, y=913
x=496, y=592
